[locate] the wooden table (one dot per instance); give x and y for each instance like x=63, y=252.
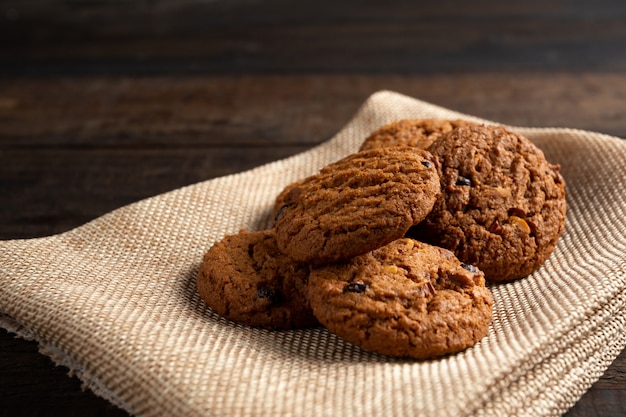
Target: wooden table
x=105, y=103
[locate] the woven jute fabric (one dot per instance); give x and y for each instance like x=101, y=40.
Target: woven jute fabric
x=115, y=301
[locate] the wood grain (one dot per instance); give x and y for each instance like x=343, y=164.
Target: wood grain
x=325, y=36
x=305, y=109
x=105, y=103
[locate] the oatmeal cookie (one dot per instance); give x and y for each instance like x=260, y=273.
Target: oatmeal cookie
x=502, y=206
x=245, y=278
x=406, y=299
x=357, y=204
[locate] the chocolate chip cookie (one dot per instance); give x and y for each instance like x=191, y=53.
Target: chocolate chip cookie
x=406, y=299
x=245, y=278
x=357, y=204
x=420, y=133
x=502, y=206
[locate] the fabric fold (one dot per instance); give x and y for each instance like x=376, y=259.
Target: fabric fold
x=114, y=300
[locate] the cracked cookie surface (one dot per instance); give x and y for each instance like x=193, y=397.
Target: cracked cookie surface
x=406, y=299
x=356, y=204
x=502, y=206
x=245, y=278
x=419, y=133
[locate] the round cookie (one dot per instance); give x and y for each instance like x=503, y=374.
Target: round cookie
x=406, y=299
x=502, y=206
x=357, y=204
x=245, y=278
x=419, y=133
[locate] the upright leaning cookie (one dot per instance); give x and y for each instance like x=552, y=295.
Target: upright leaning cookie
x=245, y=278
x=357, y=204
x=406, y=299
x=502, y=206
x=419, y=133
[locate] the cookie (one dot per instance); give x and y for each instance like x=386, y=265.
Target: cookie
x=245, y=278
x=420, y=133
x=357, y=204
x=279, y=201
x=407, y=299
x=502, y=206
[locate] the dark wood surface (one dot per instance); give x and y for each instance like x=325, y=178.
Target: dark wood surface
x=103, y=103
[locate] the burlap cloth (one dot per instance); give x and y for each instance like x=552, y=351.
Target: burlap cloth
x=115, y=301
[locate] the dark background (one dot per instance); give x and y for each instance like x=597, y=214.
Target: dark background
x=103, y=103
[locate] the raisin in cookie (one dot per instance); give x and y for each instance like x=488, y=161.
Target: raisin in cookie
x=406, y=299
x=502, y=206
x=357, y=204
x=245, y=278
x=420, y=133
